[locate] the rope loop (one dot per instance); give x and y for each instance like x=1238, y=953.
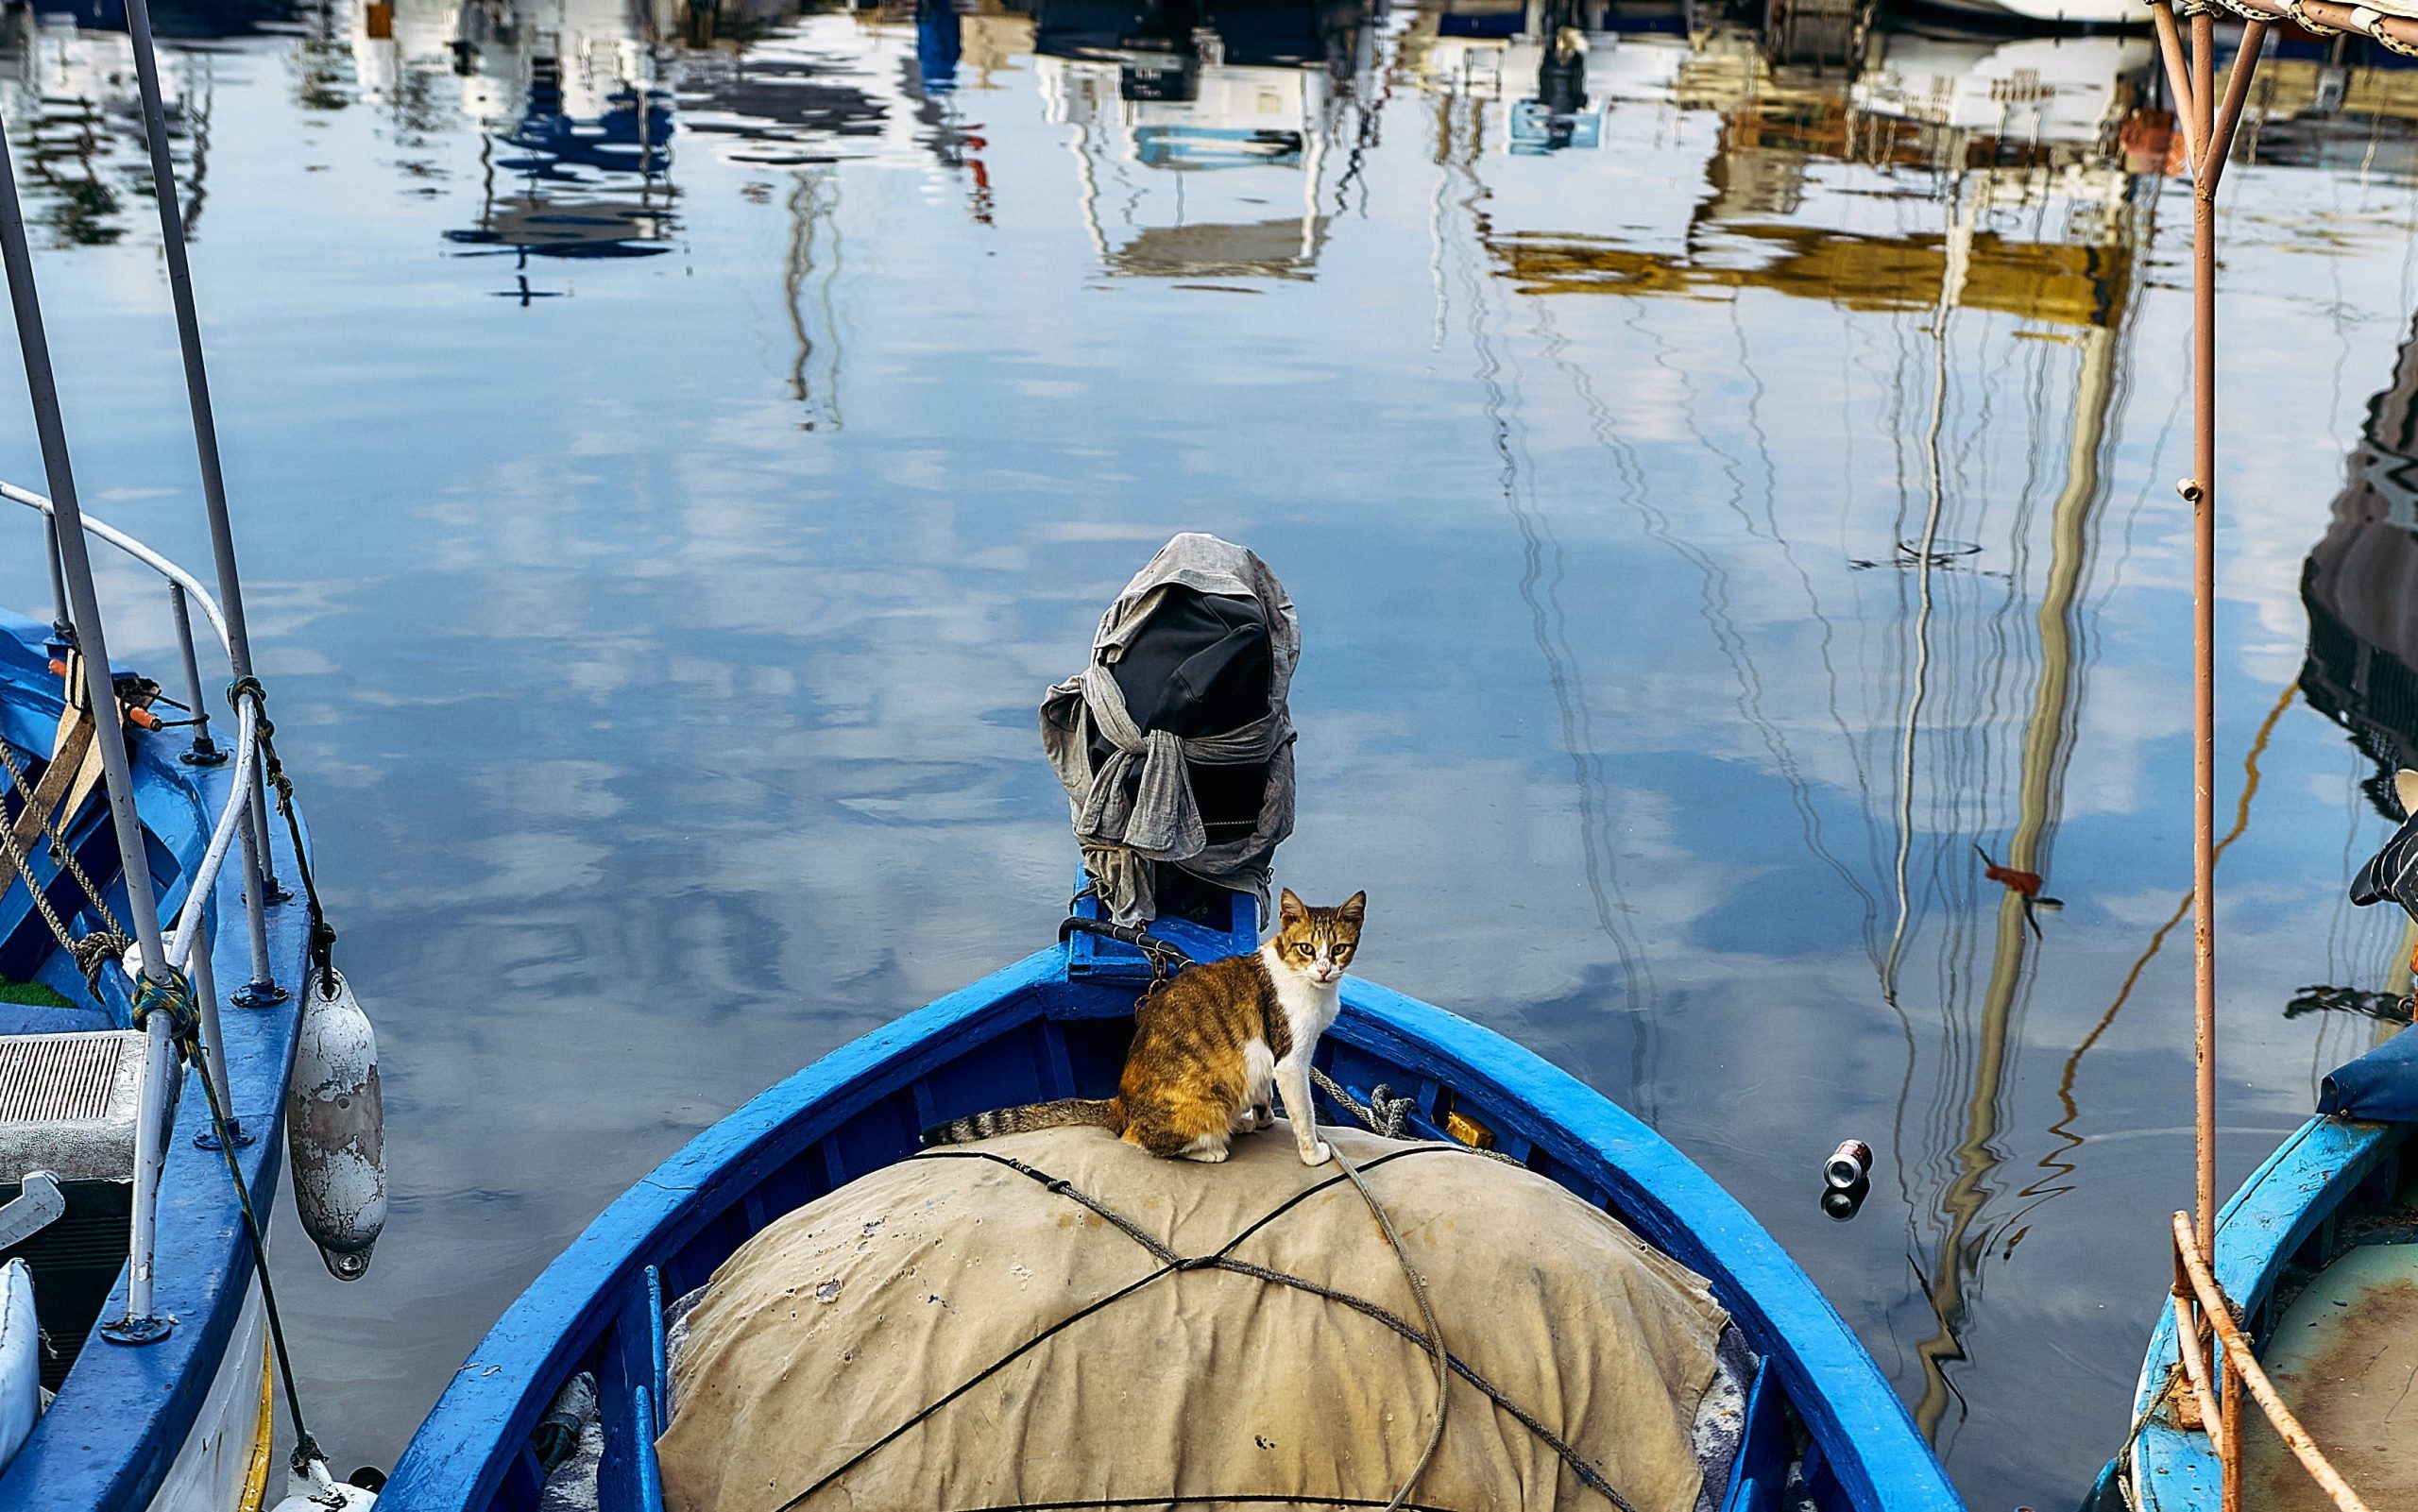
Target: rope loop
x=173, y=997
x=94, y=951
x=2301, y=17
x=2371, y=23
x=1383, y=1114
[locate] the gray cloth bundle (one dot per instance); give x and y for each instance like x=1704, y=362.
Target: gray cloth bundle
x=1127, y=828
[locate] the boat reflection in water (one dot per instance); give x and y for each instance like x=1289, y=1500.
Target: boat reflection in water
x=1191, y=120
x=2360, y=587
x=67, y=95
x=1984, y=189
x=576, y=136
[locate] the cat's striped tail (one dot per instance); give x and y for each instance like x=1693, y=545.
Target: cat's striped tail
x=1103, y=1113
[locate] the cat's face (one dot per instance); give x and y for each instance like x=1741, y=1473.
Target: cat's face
x=1318, y=943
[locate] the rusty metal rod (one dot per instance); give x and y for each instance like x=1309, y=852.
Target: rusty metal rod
x=2187, y=1347
x=2246, y=1369
x=2245, y=62
x=2229, y=1384
x=2201, y=493
x=2178, y=80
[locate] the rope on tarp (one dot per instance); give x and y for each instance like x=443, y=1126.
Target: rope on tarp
x=1171, y=1264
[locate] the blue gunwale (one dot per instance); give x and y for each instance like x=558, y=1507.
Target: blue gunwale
x=2285, y=1212
x=123, y=1412
x=588, y=1308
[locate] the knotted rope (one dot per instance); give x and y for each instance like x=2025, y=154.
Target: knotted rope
x=1382, y=1114
x=172, y=994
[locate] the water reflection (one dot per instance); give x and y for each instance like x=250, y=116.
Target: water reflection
x=1188, y=123
x=1742, y=451
x=2360, y=587
x=67, y=91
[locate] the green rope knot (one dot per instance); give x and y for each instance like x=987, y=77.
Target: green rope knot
x=249, y=688
x=173, y=997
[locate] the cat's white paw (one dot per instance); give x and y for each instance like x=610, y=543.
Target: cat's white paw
x=1207, y=1157
x=1319, y=1154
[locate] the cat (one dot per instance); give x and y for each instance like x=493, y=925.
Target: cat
x=1212, y=1047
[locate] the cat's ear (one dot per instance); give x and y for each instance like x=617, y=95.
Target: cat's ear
x=2405, y=787
x=1289, y=909
x=1355, y=908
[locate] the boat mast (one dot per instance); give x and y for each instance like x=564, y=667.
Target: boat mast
x=100, y=694
x=2208, y=134
x=259, y=879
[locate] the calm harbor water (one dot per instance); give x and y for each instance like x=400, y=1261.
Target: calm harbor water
x=673, y=448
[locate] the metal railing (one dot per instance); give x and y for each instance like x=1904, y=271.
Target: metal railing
x=75, y=605
x=186, y=946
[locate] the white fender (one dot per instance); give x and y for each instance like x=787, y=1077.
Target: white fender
x=335, y=1128
x=309, y=1487
x=19, y=1358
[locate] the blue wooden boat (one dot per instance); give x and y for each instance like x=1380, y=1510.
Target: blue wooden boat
x=180, y=1423
x=140, y=1113
x=1054, y=1025
x=2316, y=1251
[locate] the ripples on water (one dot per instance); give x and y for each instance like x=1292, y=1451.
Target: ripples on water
x=675, y=447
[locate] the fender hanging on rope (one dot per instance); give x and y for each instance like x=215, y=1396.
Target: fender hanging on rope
x=336, y=1119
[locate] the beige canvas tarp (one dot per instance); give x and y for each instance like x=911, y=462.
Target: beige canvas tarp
x=843, y=1321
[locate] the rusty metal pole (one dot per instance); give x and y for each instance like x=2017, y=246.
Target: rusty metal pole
x=2202, y=491
x=2229, y=1389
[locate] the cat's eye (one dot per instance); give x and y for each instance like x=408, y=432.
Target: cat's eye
x=1303, y=950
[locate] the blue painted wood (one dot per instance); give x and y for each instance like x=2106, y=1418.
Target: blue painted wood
x=1760, y=1474
x=1005, y=1038
x=122, y=1413
x=662, y=1381
x=650, y=1473
x=2284, y=1212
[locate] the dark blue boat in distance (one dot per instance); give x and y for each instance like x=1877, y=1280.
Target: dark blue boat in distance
x=1824, y=1428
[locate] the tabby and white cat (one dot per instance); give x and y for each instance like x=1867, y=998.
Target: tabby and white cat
x=1212, y=1047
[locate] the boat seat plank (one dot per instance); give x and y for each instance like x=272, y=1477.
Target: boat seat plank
x=2344, y=1356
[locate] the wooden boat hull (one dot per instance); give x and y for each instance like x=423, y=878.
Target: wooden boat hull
x=1057, y=1024
x=2285, y=1215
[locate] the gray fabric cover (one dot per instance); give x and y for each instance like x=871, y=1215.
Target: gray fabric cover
x=1124, y=838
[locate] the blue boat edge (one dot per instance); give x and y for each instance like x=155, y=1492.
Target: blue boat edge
x=2288, y=1202
x=475, y=1436
x=109, y=1440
